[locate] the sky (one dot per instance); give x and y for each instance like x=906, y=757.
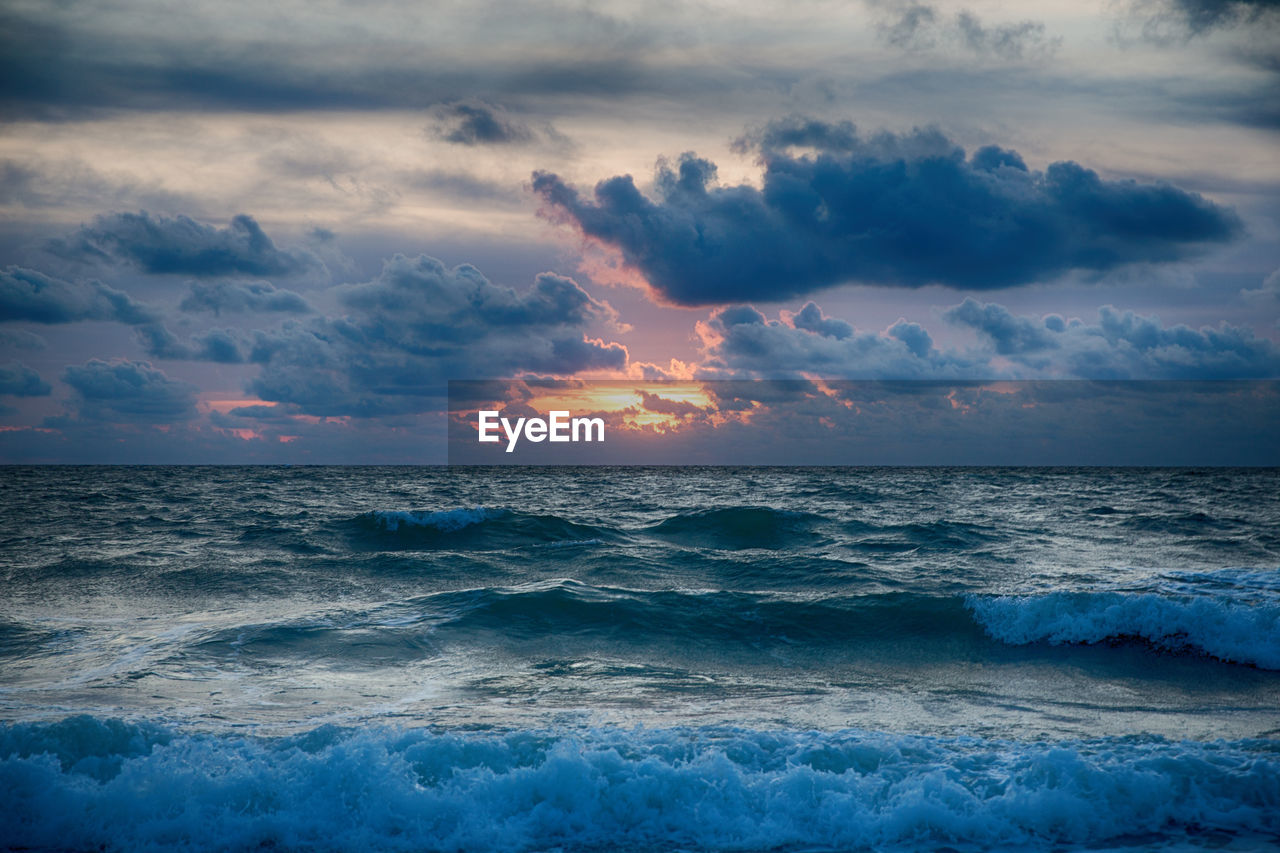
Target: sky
x=247, y=232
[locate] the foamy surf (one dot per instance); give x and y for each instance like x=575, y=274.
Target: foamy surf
x=87, y=783
x=651, y=660
x=1230, y=615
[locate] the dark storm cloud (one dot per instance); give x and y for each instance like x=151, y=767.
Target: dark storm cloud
x=63, y=62
x=1211, y=352
x=159, y=342
x=261, y=413
x=1123, y=345
x=21, y=381
x=904, y=210
x=221, y=346
x=53, y=67
x=419, y=324
x=1007, y=41
x=1258, y=107
x=1200, y=16
x=743, y=342
x=802, y=132
x=911, y=27
x=740, y=341
x=38, y=298
x=1009, y=334
x=811, y=319
x=181, y=246
x=478, y=123
x=1255, y=42
x=129, y=392
x=242, y=297
x=920, y=26
x=1146, y=98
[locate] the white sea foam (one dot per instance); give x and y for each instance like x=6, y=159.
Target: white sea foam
x=87, y=782
x=1233, y=622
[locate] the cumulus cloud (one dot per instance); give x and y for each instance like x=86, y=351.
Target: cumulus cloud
x=811, y=319
x=1267, y=294
x=1010, y=335
x=21, y=381
x=129, y=392
x=740, y=341
x=181, y=246
x=221, y=346
x=904, y=210
x=1123, y=345
x=242, y=297
x=420, y=323
x=38, y=298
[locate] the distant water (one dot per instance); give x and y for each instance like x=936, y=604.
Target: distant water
x=639, y=659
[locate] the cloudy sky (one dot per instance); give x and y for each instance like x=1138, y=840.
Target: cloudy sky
x=252, y=232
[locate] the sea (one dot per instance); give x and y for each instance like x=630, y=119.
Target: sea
x=639, y=659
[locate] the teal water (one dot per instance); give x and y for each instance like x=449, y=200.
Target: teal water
x=597, y=658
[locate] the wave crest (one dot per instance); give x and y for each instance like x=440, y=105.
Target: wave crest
x=446, y=520
x=606, y=788
x=476, y=528
x=738, y=528
x=1236, y=631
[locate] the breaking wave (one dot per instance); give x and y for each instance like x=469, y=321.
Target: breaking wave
x=88, y=783
x=1233, y=616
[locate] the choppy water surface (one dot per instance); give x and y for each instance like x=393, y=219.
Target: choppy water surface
x=639, y=658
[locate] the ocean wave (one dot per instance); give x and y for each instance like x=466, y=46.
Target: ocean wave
x=567, y=607
x=738, y=528
x=1237, y=628
x=446, y=521
x=86, y=783
x=603, y=616
x=477, y=528
x=938, y=536
x=18, y=640
x=1194, y=524
x=288, y=644
x=722, y=528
